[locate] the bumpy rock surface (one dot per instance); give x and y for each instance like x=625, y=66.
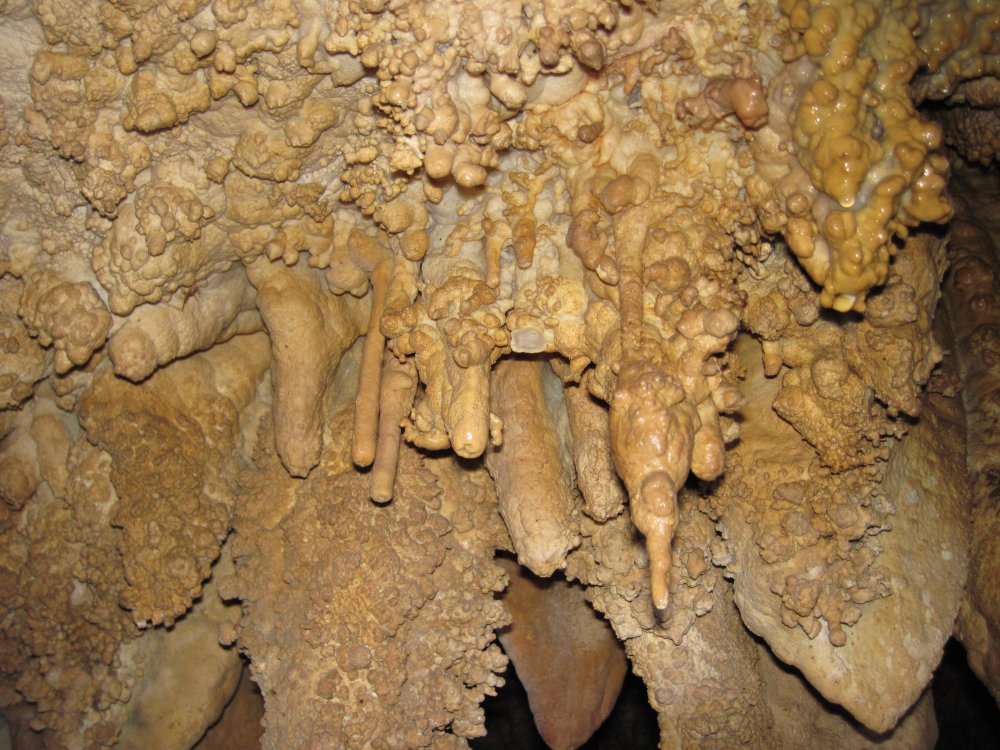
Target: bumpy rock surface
x=972, y=296
x=643, y=292
x=173, y=444
x=367, y=625
x=702, y=700
x=830, y=595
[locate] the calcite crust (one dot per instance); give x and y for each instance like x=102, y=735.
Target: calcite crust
x=310, y=309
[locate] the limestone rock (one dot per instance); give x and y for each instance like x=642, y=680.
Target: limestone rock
x=565, y=654
x=189, y=678
x=701, y=701
x=239, y=727
x=896, y=641
x=383, y=631
x=223, y=223
x=805, y=719
x=533, y=489
x=173, y=442
x=972, y=294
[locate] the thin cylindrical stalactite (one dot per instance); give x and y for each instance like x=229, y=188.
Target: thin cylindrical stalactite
x=399, y=383
x=366, y=410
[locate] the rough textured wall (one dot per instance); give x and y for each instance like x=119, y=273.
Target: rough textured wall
x=972, y=296
x=316, y=306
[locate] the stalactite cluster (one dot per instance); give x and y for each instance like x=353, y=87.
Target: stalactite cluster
x=310, y=309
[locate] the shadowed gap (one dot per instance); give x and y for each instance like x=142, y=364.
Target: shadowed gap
x=510, y=726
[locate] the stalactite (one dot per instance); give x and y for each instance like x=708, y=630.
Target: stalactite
x=354, y=295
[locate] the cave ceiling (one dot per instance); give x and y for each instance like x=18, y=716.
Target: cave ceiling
x=351, y=339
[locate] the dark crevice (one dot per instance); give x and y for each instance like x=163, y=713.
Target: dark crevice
x=509, y=725
x=967, y=716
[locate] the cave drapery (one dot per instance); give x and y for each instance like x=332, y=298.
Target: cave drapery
x=310, y=310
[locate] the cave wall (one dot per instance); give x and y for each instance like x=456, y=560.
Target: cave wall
x=309, y=310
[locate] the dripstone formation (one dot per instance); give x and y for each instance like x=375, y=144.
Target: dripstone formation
x=344, y=338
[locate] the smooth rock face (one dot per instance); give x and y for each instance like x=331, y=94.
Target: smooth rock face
x=804, y=719
x=565, y=654
x=190, y=679
x=239, y=727
x=890, y=654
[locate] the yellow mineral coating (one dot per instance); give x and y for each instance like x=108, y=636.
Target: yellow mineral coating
x=958, y=45
x=427, y=209
x=873, y=165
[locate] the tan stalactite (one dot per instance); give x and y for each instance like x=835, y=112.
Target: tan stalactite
x=232, y=230
x=155, y=336
x=310, y=331
x=497, y=235
x=467, y=416
x=370, y=257
x=650, y=445
x=399, y=383
x=366, y=412
x=534, y=495
x=595, y=473
x=652, y=426
x=630, y=239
